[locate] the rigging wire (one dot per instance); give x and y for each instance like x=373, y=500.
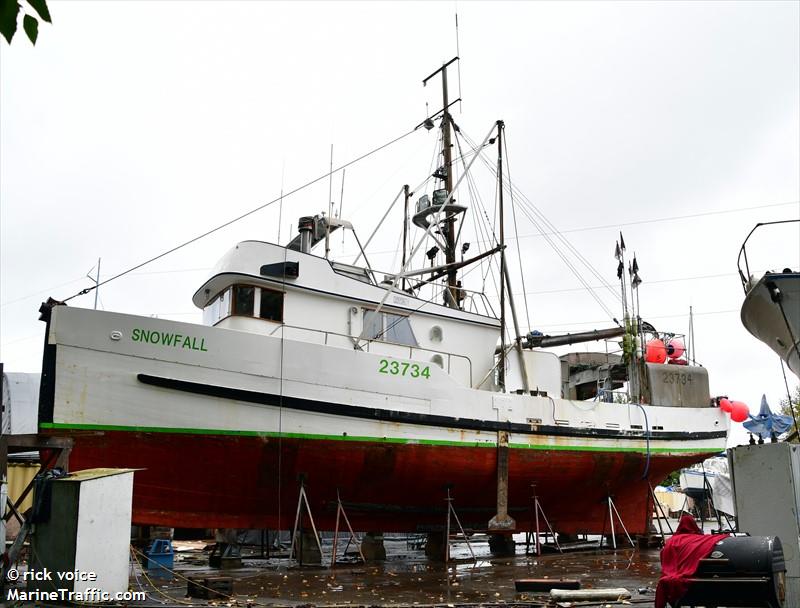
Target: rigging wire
x=534, y=210
x=516, y=236
x=488, y=227
x=649, y=221
x=570, y=265
x=530, y=214
x=242, y=216
x=789, y=396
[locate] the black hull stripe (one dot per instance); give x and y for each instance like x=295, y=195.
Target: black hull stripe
x=366, y=413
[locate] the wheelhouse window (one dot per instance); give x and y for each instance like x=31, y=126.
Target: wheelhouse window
x=245, y=301
x=271, y=305
x=218, y=308
x=388, y=327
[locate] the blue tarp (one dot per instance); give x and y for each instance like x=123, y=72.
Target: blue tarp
x=766, y=423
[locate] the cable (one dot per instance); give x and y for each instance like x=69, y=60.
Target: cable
x=789, y=395
x=647, y=436
x=532, y=210
x=653, y=221
x=241, y=217
x=649, y=282
x=528, y=212
x=516, y=239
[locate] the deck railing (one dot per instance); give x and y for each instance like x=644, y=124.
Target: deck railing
x=745, y=276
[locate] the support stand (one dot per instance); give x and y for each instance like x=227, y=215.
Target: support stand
x=612, y=510
x=341, y=512
x=451, y=510
x=226, y=553
x=659, y=509
x=710, y=492
x=535, y=532
x=303, y=499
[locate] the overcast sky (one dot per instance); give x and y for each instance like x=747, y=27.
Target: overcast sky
x=134, y=126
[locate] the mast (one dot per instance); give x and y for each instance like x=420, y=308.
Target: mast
x=450, y=253
x=501, y=368
x=447, y=153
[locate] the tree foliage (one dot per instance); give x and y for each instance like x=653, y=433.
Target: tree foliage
x=34, y=10
x=788, y=408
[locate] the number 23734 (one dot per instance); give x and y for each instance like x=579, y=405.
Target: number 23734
x=402, y=368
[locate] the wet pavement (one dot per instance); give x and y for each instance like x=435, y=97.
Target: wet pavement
x=408, y=578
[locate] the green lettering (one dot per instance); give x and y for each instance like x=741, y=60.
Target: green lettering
x=168, y=339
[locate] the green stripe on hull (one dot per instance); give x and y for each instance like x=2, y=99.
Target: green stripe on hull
x=442, y=442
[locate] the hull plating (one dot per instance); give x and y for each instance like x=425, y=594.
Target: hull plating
x=252, y=482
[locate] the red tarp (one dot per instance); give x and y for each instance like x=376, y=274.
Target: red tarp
x=680, y=558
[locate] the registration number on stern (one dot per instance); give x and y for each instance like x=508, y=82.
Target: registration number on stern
x=403, y=368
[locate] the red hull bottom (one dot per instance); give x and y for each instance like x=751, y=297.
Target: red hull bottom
x=205, y=481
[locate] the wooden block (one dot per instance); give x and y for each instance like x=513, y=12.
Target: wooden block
x=545, y=584
x=210, y=587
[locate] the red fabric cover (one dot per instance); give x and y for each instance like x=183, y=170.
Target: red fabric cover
x=680, y=558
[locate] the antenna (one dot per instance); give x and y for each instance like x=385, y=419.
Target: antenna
x=96, y=282
x=341, y=202
x=280, y=204
x=330, y=209
x=458, y=54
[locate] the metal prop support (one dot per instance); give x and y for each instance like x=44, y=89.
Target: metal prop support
x=451, y=510
x=341, y=512
x=659, y=509
x=612, y=510
x=302, y=498
x=535, y=533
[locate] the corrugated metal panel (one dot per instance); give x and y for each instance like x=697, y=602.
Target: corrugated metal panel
x=19, y=476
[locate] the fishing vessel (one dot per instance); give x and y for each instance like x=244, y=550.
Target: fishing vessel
x=771, y=307
x=362, y=388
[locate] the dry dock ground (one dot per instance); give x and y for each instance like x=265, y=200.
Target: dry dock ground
x=407, y=578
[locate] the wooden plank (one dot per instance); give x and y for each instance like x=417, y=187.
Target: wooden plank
x=545, y=584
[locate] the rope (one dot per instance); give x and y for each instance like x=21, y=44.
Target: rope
x=240, y=217
x=176, y=574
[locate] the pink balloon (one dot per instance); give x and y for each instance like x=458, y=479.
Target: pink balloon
x=725, y=405
x=740, y=411
x=655, y=352
x=675, y=348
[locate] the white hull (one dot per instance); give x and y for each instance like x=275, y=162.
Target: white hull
x=99, y=384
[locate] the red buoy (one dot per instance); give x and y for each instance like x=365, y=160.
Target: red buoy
x=655, y=352
x=675, y=348
x=740, y=411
